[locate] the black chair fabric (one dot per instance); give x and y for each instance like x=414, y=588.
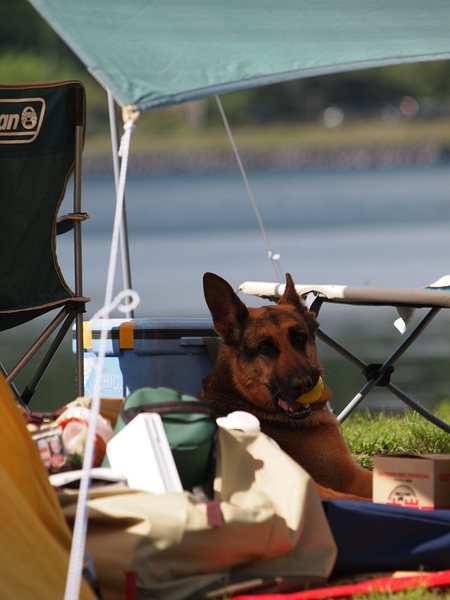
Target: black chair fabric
x=41, y=129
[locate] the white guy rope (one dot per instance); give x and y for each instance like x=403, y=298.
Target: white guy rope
x=74, y=575
x=274, y=258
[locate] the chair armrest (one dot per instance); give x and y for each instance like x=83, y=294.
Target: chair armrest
x=66, y=222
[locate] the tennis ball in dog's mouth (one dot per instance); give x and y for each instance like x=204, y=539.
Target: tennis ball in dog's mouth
x=313, y=395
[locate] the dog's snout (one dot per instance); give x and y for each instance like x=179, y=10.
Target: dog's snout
x=302, y=385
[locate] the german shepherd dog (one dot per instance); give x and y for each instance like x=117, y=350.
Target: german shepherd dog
x=267, y=361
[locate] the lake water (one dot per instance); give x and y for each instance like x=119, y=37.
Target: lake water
x=375, y=227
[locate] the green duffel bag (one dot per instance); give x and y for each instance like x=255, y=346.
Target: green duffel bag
x=190, y=426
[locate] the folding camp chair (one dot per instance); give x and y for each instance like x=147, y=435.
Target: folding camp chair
x=433, y=298
x=42, y=130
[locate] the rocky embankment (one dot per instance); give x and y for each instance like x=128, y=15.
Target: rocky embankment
x=292, y=158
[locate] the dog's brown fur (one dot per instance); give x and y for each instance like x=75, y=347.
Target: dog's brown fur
x=268, y=355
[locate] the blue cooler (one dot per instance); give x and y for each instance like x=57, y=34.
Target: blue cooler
x=173, y=353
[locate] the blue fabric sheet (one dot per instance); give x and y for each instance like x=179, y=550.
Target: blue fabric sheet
x=378, y=537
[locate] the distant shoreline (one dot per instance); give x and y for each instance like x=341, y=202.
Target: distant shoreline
x=292, y=158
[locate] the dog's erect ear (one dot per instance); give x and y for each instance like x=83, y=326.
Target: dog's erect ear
x=290, y=295
x=227, y=310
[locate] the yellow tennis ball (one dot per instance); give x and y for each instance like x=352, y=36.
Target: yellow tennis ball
x=313, y=395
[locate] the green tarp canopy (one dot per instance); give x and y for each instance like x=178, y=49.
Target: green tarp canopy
x=154, y=53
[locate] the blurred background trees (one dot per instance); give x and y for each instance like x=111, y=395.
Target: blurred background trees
x=31, y=51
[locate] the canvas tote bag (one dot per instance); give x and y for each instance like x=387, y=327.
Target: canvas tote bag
x=266, y=522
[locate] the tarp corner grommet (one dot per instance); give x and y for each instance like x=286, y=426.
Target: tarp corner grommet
x=130, y=112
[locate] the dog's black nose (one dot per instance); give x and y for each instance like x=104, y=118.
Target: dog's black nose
x=302, y=385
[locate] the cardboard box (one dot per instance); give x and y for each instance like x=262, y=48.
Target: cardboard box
x=414, y=480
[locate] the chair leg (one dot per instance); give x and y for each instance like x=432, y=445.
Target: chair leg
x=37, y=345
x=29, y=391
x=418, y=407
x=379, y=375
x=356, y=401
x=60, y=324
x=79, y=355
x=14, y=389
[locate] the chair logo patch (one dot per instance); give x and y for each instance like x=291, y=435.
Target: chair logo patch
x=21, y=120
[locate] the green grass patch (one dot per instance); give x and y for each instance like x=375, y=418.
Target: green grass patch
x=368, y=434
x=408, y=594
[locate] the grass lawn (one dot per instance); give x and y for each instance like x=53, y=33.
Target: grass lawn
x=369, y=434
x=417, y=594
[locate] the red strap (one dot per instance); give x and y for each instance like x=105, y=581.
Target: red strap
x=393, y=584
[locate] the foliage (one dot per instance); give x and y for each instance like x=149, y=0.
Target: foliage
x=28, y=66
x=21, y=28
x=357, y=93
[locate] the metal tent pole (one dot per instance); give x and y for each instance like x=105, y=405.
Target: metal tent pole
x=124, y=246
x=80, y=116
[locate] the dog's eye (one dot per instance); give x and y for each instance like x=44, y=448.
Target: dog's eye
x=266, y=347
x=300, y=339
